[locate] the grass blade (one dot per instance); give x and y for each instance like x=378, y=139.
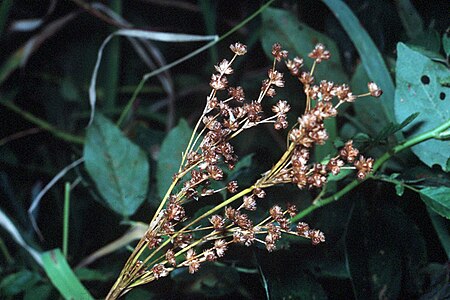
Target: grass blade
x=62, y=276
x=143, y=34
x=9, y=226
x=4, y=12
x=66, y=218
x=371, y=58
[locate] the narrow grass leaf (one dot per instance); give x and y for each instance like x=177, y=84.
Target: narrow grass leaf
x=118, y=167
x=371, y=58
x=35, y=203
x=135, y=233
x=411, y=20
x=9, y=226
x=149, y=35
x=5, y=6
x=62, y=276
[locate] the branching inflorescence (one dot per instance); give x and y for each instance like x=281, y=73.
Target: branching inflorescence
x=174, y=240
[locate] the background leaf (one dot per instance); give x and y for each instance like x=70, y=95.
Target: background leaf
x=370, y=55
x=385, y=251
x=420, y=88
x=170, y=155
x=62, y=277
x=118, y=167
x=438, y=199
x=280, y=26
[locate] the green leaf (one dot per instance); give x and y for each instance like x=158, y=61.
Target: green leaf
x=369, y=111
x=38, y=292
x=170, y=155
x=16, y=283
x=118, y=167
x=411, y=20
x=62, y=276
x=438, y=199
x=419, y=90
x=441, y=226
x=399, y=189
x=371, y=58
x=446, y=42
x=280, y=26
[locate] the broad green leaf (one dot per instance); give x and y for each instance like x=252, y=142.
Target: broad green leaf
x=371, y=58
x=16, y=283
x=62, y=276
x=385, y=251
x=438, y=199
x=419, y=90
x=280, y=26
x=170, y=155
x=118, y=167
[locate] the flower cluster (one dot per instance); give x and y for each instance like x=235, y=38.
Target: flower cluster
x=228, y=113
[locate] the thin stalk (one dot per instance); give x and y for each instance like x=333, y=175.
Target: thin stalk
x=184, y=58
x=66, y=219
x=432, y=134
x=58, y=133
x=4, y=250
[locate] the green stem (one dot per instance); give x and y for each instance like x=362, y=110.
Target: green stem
x=184, y=58
x=66, y=218
x=4, y=250
x=112, y=68
x=43, y=124
x=434, y=133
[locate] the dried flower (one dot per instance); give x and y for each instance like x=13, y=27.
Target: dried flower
x=364, y=166
x=192, y=261
x=374, y=90
x=282, y=107
x=220, y=246
x=232, y=186
x=170, y=257
x=276, y=78
x=160, y=271
x=349, y=153
x=320, y=53
x=278, y=52
x=217, y=221
x=238, y=48
x=249, y=203
x=218, y=82
x=294, y=65
x=237, y=93
x=224, y=67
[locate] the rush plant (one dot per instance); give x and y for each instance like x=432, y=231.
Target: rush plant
x=175, y=239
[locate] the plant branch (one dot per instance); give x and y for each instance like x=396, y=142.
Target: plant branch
x=43, y=124
x=436, y=133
